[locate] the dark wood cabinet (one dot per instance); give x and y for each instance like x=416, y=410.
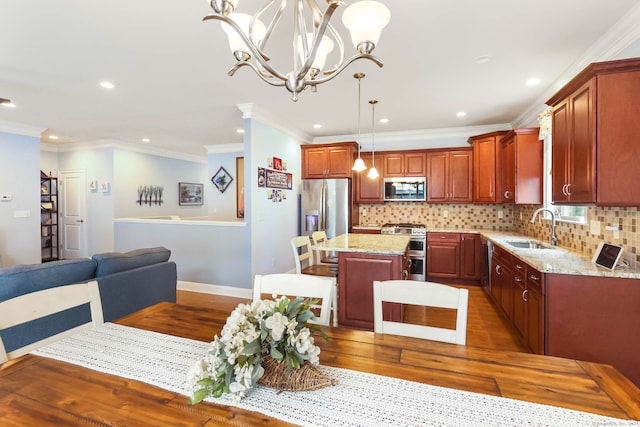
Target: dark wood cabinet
x=369, y=190
x=534, y=311
x=408, y=163
x=455, y=257
x=517, y=290
x=450, y=176
x=595, y=126
x=328, y=160
x=48, y=218
x=573, y=165
x=355, y=287
x=470, y=256
x=443, y=255
x=521, y=162
x=486, y=168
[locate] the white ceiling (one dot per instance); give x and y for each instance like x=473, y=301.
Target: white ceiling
x=170, y=68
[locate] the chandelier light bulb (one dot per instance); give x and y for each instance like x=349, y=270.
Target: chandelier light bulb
x=365, y=20
x=325, y=48
x=237, y=45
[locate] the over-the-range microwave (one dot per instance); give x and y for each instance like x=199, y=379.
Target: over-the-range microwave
x=405, y=189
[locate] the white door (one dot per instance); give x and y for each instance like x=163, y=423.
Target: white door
x=72, y=211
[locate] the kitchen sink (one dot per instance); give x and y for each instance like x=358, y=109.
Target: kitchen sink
x=529, y=244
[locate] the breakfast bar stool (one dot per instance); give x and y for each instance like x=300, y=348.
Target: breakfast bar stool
x=320, y=237
x=305, y=264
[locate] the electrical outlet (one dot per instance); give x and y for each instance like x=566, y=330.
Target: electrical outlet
x=520, y=216
x=445, y=214
x=500, y=215
x=364, y=211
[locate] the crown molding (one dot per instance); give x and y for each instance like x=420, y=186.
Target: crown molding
x=253, y=111
x=442, y=137
x=225, y=148
x=612, y=43
x=20, y=129
x=121, y=145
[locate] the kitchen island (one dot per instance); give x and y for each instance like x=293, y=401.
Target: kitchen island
x=363, y=258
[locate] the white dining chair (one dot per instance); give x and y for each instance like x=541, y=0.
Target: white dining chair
x=305, y=262
x=425, y=294
x=324, y=257
x=36, y=305
x=298, y=285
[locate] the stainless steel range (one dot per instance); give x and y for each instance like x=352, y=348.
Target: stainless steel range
x=417, y=247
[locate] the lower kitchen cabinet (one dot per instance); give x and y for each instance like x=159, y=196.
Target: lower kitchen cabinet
x=517, y=290
x=355, y=287
x=453, y=256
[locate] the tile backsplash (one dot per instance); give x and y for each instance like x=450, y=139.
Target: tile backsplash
x=516, y=218
x=434, y=215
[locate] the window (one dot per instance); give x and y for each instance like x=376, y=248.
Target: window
x=577, y=214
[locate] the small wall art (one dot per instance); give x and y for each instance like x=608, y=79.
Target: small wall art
x=190, y=194
x=150, y=194
x=221, y=179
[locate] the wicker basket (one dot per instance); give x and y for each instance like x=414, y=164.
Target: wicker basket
x=279, y=376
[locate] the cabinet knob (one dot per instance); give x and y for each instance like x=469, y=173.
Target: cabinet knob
x=568, y=189
x=519, y=267
x=524, y=295
x=517, y=279
x=498, y=268
x=534, y=277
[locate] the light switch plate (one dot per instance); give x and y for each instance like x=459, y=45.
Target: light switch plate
x=594, y=227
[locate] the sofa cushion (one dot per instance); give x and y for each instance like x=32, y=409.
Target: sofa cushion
x=115, y=262
x=24, y=279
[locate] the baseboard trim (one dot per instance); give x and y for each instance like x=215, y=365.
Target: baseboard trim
x=227, y=291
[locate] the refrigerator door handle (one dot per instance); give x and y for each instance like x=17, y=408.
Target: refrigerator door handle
x=322, y=222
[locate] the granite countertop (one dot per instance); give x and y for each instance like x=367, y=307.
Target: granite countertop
x=556, y=261
x=384, y=244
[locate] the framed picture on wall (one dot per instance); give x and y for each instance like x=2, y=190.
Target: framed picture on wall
x=240, y=187
x=190, y=194
x=221, y=179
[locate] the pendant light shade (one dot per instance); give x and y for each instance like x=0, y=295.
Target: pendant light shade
x=359, y=165
x=373, y=172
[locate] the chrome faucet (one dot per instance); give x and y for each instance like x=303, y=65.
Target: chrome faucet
x=554, y=239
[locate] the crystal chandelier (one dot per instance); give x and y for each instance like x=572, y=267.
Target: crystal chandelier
x=313, y=38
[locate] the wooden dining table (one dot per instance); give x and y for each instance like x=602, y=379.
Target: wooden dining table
x=41, y=391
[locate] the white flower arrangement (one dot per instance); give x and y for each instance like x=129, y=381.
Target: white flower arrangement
x=233, y=363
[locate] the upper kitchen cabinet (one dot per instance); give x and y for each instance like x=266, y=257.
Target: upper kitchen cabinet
x=328, y=160
x=521, y=160
x=573, y=153
x=450, y=176
x=595, y=128
x=409, y=163
x=486, y=168
x=369, y=190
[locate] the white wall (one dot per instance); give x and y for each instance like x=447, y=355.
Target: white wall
x=97, y=165
x=20, y=178
x=132, y=170
x=222, y=206
x=204, y=253
x=272, y=224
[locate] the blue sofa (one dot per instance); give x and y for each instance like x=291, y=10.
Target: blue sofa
x=127, y=281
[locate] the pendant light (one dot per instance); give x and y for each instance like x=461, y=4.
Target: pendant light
x=373, y=172
x=359, y=165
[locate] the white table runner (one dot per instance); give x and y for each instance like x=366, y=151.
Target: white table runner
x=358, y=399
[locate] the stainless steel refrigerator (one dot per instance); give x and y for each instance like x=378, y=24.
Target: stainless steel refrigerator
x=326, y=206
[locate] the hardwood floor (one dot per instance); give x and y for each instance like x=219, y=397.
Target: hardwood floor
x=486, y=328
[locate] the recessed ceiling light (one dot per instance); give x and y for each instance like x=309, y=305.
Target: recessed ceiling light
x=461, y=114
x=240, y=130
x=384, y=120
x=53, y=137
x=317, y=126
x=483, y=59
x=533, y=81
x=146, y=140
x=107, y=85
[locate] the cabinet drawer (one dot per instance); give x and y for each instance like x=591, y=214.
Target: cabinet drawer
x=535, y=279
x=443, y=237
